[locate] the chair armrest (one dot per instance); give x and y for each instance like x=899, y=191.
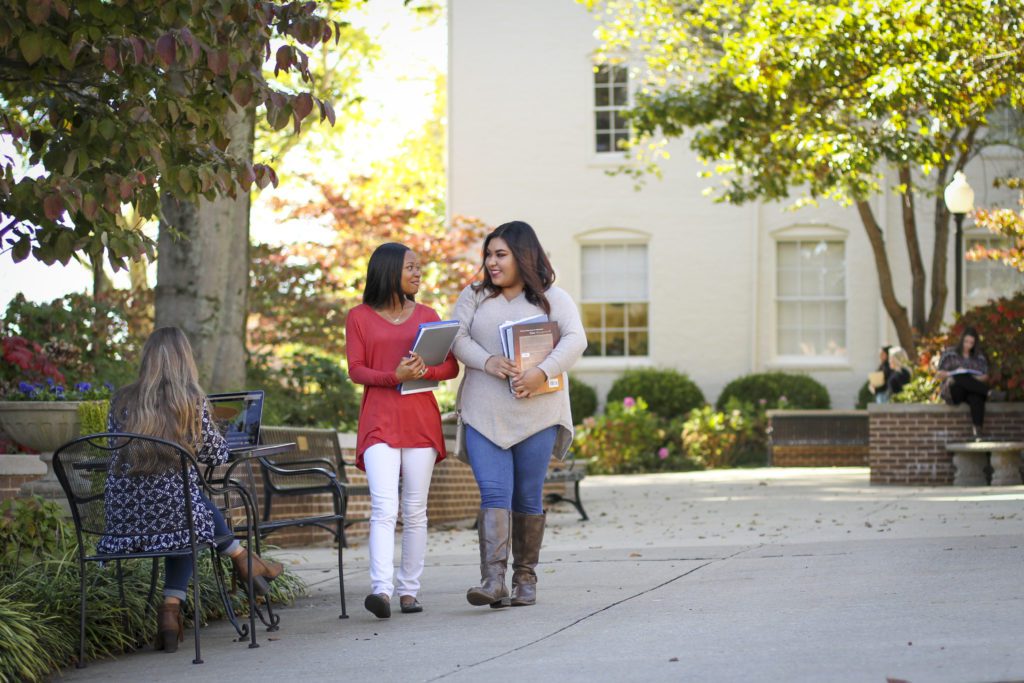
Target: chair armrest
x=324, y=463
x=271, y=467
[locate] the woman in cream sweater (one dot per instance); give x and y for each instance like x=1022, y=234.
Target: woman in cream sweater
x=510, y=436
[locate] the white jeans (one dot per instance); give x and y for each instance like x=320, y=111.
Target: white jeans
x=383, y=466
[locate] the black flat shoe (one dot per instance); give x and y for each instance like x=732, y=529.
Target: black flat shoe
x=378, y=604
x=411, y=607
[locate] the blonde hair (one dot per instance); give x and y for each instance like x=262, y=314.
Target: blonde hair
x=166, y=401
x=898, y=358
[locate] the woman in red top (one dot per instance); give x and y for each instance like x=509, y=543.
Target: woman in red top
x=398, y=435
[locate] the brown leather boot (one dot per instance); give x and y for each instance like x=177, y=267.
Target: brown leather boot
x=262, y=571
x=170, y=627
x=527, y=535
x=493, y=527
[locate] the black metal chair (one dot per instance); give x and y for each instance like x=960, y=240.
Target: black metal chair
x=300, y=471
x=82, y=467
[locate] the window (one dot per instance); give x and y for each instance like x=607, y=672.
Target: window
x=615, y=299
x=811, y=298
x=987, y=280
x=611, y=100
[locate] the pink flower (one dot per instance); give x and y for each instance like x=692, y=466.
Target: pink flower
x=589, y=422
x=628, y=402
x=662, y=452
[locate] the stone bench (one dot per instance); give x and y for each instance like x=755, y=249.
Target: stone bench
x=970, y=458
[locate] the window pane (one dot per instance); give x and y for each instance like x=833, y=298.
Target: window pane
x=593, y=343
x=621, y=74
x=604, y=142
x=789, y=282
x=835, y=315
x=619, y=143
x=835, y=283
x=601, y=98
x=835, y=342
x=592, y=259
x=811, y=282
x=592, y=316
x=789, y=343
x=789, y=315
x=788, y=255
x=615, y=315
x=620, y=121
x=615, y=343
x=621, y=98
x=636, y=315
x=602, y=120
x=603, y=74
x=638, y=343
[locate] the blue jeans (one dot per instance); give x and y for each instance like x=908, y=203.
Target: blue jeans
x=178, y=570
x=511, y=478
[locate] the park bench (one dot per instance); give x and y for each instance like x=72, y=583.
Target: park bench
x=569, y=472
x=971, y=457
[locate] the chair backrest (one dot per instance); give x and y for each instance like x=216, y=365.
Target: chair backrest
x=310, y=444
x=123, y=485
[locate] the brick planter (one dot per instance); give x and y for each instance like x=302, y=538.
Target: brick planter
x=908, y=441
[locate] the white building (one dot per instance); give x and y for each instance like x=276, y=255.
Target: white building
x=664, y=276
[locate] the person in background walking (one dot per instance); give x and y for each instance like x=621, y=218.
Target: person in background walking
x=510, y=436
x=398, y=436
x=881, y=389
x=899, y=371
x=963, y=370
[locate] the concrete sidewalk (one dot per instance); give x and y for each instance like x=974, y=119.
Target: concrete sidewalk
x=768, y=574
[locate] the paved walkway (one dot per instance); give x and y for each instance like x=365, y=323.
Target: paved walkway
x=769, y=575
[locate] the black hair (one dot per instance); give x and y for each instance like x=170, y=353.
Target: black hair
x=533, y=264
x=384, y=276
x=970, y=332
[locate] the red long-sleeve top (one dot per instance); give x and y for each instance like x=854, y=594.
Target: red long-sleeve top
x=375, y=347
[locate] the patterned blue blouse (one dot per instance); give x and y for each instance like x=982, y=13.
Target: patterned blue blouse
x=160, y=524
x=951, y=360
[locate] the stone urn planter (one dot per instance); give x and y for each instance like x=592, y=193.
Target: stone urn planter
x=42, y=426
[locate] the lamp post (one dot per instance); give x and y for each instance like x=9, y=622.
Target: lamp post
x=959, y=201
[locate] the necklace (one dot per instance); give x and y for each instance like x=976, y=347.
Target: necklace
x=393, y=318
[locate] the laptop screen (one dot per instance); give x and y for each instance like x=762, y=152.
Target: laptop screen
x=238, y=415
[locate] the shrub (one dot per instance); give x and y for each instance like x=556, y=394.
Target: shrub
x=1001, y=326
x=306, y=389
x=922, y=388
x=668, y=393
x=582, y=399
x=626, y=439
x=92, y=416
x=864, y=397
x=713, y=438
x=769, y=390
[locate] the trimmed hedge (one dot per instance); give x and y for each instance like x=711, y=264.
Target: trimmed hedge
x=799, y=391
x=582, y=399
x=668, y=393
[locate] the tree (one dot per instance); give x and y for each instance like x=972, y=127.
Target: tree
x=1006, y=223
x=829, y=100
x=118, y=102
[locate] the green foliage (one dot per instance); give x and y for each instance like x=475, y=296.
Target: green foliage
x=668, y=393
x=582, y=399
x=864, y=397
x=306, y=389
x=770, y=390
x=29, y=529
x=31, y=644
x=627, y=439
x=122, y=102
x=922, y=388
x=88, y=340
x=92, y=416
x=711, y=438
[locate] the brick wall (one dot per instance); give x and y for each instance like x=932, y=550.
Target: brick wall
x=908, y=441
x=820, y=455
x=17, y=469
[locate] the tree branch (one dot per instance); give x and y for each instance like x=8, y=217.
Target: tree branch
x=917, y=272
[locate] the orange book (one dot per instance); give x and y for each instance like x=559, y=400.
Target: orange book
x=531, y=344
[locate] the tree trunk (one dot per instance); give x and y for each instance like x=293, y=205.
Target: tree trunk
x=897, y=312
x=917, y=273
x=203, y=275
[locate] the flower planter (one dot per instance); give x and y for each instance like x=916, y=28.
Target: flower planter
x=42, y=426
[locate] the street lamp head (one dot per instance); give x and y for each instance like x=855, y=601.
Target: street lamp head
x=958, y=195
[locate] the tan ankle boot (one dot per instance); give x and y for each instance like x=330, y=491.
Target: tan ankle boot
x=493, y=527
x=527, y=535
x=170, y=627
x=262, y=571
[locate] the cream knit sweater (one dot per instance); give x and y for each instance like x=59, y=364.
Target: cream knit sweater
x=485, y=401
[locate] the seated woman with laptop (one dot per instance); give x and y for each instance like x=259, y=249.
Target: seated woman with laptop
x=167, y=402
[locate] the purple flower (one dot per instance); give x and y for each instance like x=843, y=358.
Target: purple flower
x=662, y=452
x=628, y=402
x=50, y=382
x=109, y=386
x=83, y=387
x=59, y=390
x=26, y=388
